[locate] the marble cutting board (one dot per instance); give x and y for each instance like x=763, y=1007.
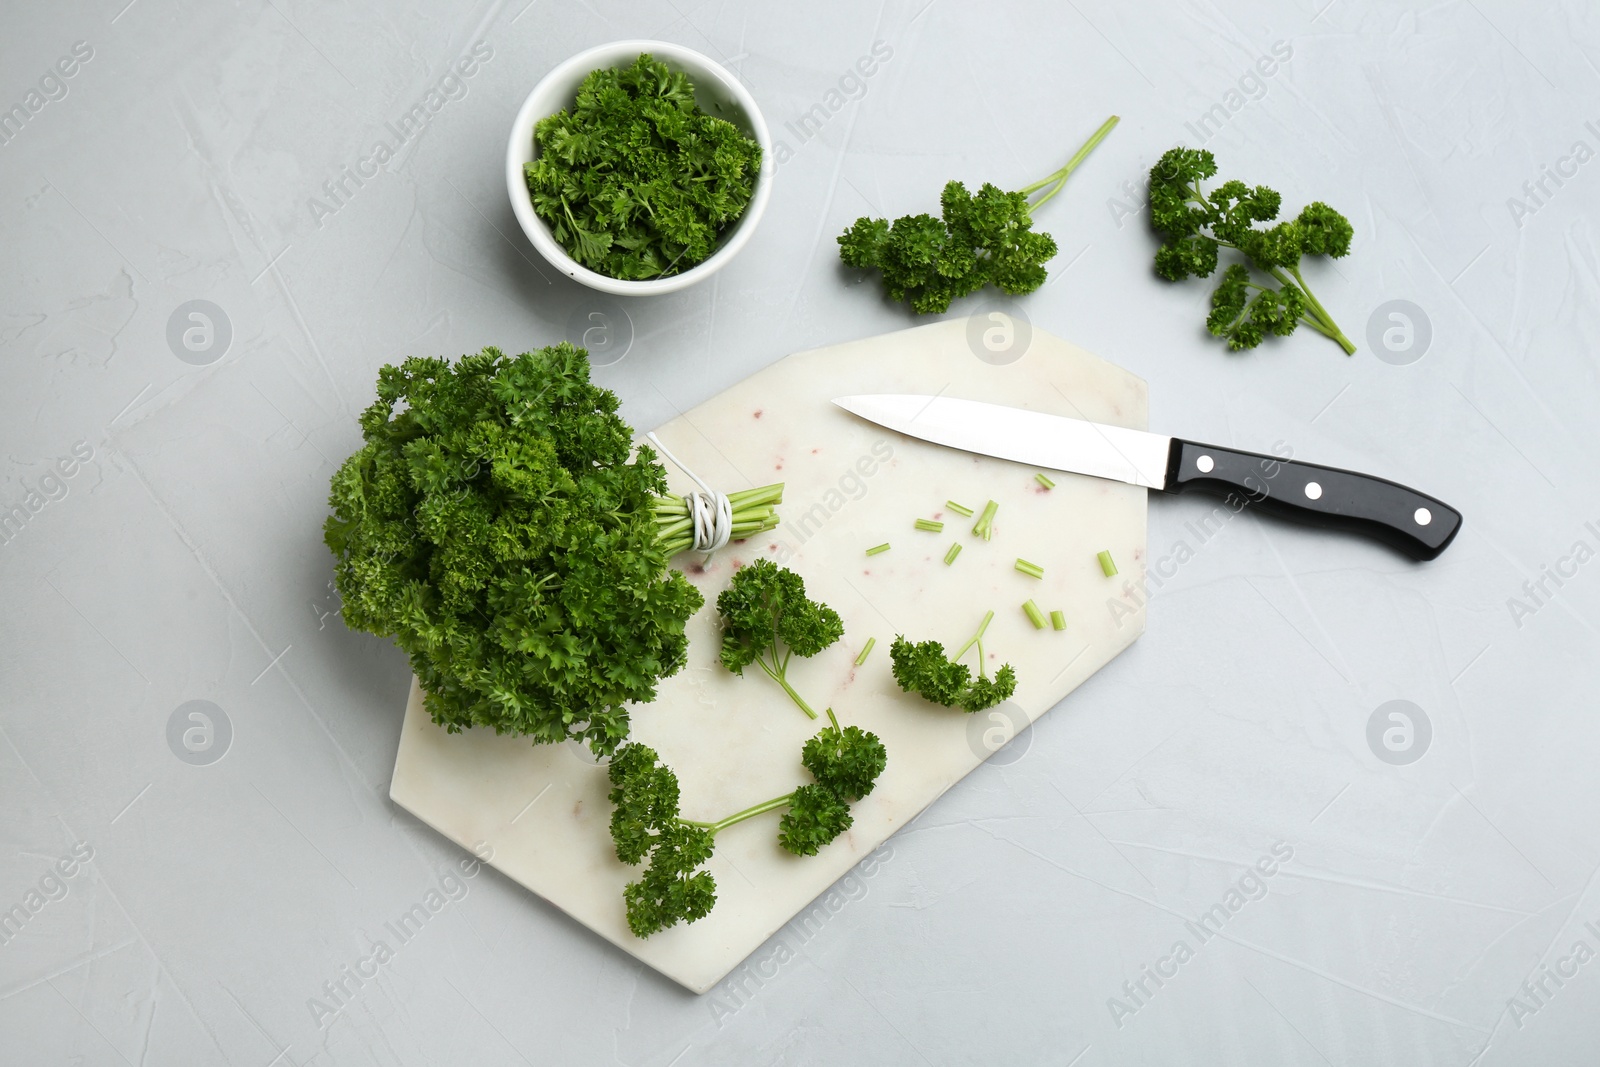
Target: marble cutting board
x=541, y=812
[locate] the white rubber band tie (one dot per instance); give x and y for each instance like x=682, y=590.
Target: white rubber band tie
x=711, y=511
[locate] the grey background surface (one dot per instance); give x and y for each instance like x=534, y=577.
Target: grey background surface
x=183, y=560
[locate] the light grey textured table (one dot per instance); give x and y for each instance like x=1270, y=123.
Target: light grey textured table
x=1438, y=911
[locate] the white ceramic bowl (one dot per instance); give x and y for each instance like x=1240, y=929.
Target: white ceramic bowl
x=717, y=91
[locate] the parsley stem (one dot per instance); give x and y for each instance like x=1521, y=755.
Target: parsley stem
x=875, y=549
x=1035, y=616
x=950, y=556
x=1322, y=314
x=930, y=525
x=1032, y=570
x=976, y=639
x=1316, y=316
x=1059, y=178
x=766, y=494
x=1058, y=620
x=740, y=816
x=1323, y=330
x=777, y=676
x=960, y=509
x=866, y=650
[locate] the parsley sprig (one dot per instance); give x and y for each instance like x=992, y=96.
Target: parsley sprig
x=767, y=618
x=1195, y=225
x=924, y=668
x=636, y=181
x=982, y=239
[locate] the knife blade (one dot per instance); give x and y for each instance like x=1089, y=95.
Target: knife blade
x=1415, y=523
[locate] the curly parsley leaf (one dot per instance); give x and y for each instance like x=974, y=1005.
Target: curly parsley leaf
x=847, y=761
x=645, y=822
x=815, y=817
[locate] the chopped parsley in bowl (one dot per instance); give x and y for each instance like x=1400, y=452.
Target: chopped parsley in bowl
x=635, y=181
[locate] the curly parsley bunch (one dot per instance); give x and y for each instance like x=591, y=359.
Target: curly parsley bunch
x=636, y=181
x=497, y=525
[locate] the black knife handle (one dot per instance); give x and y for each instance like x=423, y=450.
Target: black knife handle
x=1415, y=523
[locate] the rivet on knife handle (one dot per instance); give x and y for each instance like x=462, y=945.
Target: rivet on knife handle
x=1419, y=525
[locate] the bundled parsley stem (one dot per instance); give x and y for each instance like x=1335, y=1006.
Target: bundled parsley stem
x=753, y=512
x=980, y=240
x=500, y=526
x=1195, y=225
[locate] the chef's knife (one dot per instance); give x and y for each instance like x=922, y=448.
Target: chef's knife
x=1415, y=523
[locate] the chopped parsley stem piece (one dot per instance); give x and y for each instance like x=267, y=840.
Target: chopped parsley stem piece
x=866, y=650
x=984, y=527
x=931, y=525
x=875, y=549
x=1107, y=567
x=950, y=556
x=1044, y=480
x=959, y=509
x=1035, y=616
x=1032, y=570
x=1058, y=620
